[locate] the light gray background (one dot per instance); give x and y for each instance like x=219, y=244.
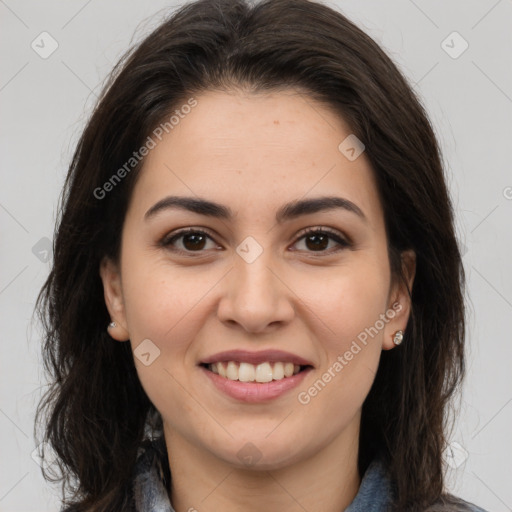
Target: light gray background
x=45, y=102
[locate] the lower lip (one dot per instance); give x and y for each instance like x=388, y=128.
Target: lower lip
x=255, y=391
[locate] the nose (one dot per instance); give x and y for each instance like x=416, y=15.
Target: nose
x=256, y=295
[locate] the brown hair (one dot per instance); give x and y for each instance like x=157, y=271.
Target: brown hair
x=97, y=410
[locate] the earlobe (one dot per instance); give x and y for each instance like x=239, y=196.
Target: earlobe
x=395, y=332
x=114, y=300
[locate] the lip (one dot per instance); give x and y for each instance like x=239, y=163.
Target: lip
x=246, y=356
x=253, y=392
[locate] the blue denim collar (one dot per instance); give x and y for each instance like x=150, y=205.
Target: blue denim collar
x=150, y=493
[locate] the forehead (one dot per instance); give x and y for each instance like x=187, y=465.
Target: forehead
x=255, y=152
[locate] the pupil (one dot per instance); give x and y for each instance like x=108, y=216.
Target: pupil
x=316, y=244
x=196, y=238
x=196, y=241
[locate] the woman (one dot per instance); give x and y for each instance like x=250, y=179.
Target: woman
x=257, y=293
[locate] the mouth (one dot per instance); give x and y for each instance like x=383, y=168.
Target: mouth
x=255, y=377
x=263, y=372
x=258, y=367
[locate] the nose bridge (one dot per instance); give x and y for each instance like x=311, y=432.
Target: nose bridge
x=252, y=268
x=255, y=296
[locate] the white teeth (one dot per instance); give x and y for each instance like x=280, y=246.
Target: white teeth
x=232, y=371
x=246, y=372
x=278, y=371
x=263, y=372
x=288, y=369
x=220, y=368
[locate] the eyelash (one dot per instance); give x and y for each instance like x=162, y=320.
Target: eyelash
x=167, y=241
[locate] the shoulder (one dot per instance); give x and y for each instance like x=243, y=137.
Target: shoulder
x=147, y=488
x=450, y=503
x=376, y=493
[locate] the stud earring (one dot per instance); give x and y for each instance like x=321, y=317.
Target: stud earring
x=110, y=326
x=398, y=337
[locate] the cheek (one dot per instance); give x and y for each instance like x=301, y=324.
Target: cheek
x=159, y=298
x=345, y=300
x=162, y=304
x=347, y=306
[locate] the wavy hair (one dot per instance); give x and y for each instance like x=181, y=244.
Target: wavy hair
x=96, y=413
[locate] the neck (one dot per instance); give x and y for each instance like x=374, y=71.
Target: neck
x=325, y=481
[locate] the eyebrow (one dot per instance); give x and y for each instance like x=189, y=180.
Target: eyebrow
x=287, y=212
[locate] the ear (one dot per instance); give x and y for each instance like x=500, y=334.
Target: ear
x=114, y=300
x=399, y=301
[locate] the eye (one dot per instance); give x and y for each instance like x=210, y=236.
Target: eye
x=317, y=239
x=193, y=240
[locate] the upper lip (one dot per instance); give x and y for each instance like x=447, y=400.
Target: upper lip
x=247, y=356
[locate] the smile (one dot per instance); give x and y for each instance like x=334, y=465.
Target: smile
x=247, y=372
x=254, y=391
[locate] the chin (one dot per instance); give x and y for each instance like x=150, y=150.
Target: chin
x=261, y=455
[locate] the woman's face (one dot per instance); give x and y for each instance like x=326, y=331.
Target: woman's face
x=254, y=282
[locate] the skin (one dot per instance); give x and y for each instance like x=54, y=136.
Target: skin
x=253, y=153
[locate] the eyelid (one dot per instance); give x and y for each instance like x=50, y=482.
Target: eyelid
x=341, y=239
x=324, y=229
x=166, y=240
